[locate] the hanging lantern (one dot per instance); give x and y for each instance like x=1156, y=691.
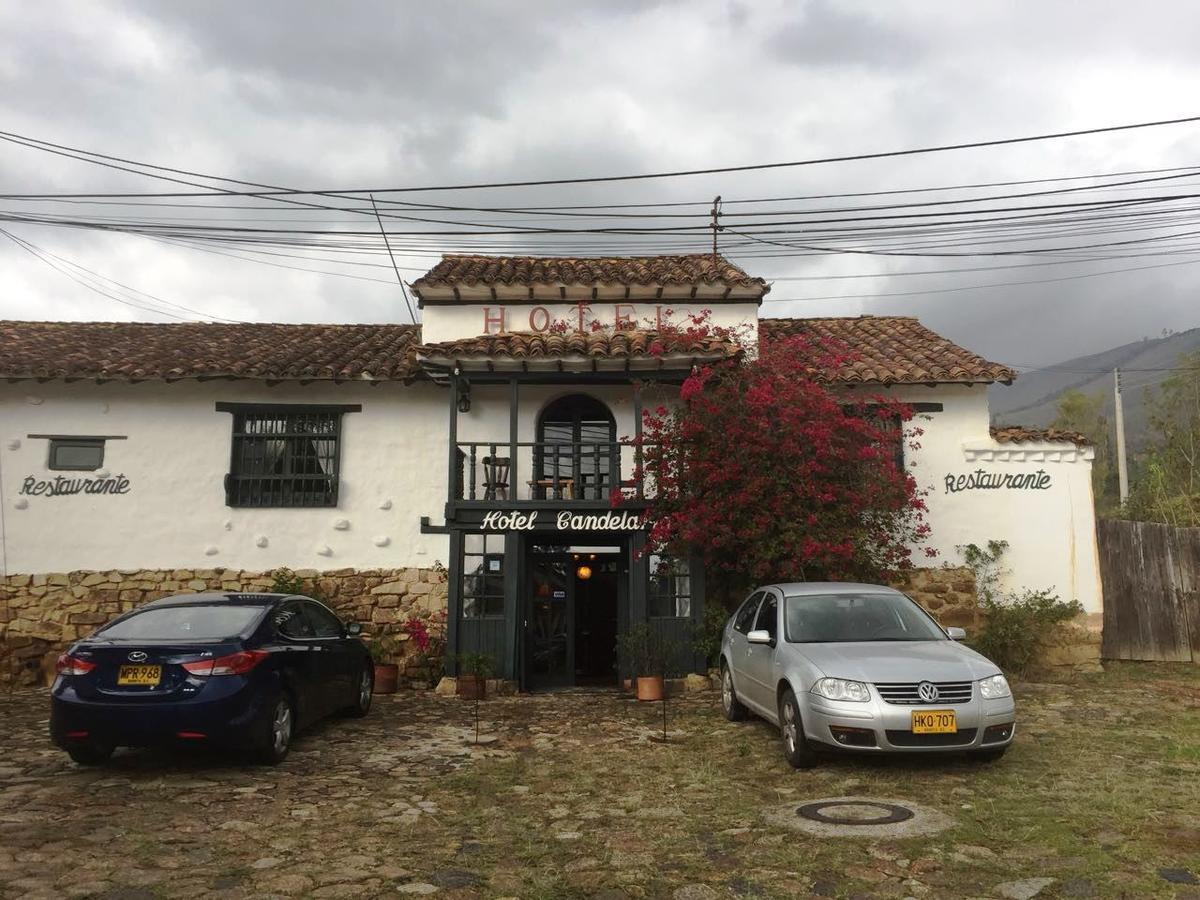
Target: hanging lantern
x=583, y=573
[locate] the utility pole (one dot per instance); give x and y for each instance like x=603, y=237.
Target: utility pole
x=716, y=216
x=1122, y=465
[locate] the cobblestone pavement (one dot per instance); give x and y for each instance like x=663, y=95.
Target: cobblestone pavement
x=569, y=795
x=331, y=821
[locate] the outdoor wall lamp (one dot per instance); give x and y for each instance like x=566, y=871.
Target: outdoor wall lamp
x=464, y=402
x=583, y=573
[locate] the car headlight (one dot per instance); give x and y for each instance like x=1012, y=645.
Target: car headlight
x=994, y=688
x=841, y=689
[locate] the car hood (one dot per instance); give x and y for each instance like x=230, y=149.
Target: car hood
x=896, y=661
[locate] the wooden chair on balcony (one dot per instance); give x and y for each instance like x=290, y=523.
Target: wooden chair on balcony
x=495, y=477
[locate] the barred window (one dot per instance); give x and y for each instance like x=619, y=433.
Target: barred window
x=284, y=455
x=483, y=575
x=670, y=594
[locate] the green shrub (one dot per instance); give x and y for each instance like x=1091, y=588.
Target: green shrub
x=288, y=582
x=707, y=633
x=1015, y=625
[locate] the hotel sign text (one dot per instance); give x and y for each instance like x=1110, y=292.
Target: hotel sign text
x=562, y=521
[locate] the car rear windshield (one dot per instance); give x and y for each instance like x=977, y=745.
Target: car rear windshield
x=841, y=618
x=184, y=623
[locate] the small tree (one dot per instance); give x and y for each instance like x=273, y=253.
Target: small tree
x=1169, y=489
x=769, y=475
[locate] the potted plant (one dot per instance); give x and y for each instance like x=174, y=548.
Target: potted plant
x=646, y=652
x=387, y=673
x=473, y=671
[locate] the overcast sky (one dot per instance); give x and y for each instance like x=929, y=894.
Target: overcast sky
x=366, y=94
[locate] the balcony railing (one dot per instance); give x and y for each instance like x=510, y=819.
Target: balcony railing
x=544, y=471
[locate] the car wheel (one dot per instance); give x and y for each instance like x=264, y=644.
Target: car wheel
x=364, y=689
x=275, y=739
x=988, y=756
x=734, y=711
x=795, y=747
x=90, y=753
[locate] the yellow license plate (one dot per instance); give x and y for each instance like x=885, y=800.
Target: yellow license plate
x=934, y=721
x=139, y=675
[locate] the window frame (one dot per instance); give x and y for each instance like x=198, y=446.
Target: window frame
x=313, y=610
x=755, y=598
x=60, y=442
x=478, y=586
x=298, y=499
x=653, y=596
x=769, y=597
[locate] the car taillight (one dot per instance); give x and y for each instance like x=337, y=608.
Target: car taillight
x=73, y=665
x=234, y=664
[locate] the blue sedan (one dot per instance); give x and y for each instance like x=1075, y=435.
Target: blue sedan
x=238, y=671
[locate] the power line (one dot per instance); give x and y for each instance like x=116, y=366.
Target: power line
x=42, y=254
x=717, y=170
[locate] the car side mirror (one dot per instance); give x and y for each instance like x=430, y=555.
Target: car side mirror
x=761, y=636
x=956, y=634
x=354, y=629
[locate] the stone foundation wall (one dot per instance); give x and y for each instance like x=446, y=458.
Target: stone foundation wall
x=40, y=615
x=947, y=593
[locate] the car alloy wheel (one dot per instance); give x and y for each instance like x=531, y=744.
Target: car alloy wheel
x=281, y=728
x=789, y=728
x=364, y=691
x=795, y=747
x=730, y=704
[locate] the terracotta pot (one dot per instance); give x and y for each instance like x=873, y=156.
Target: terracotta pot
x=627, y=684
x=386, y=677
x=650, y=688
x=472, y=687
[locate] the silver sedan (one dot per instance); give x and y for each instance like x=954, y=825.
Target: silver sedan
x=860, y=667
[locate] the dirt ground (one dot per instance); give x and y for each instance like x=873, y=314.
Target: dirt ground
x=567, y=795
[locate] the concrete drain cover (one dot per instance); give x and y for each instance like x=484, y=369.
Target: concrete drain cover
x=855, y=812
x=859, y=817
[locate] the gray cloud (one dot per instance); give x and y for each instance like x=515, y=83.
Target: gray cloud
x=371, y=94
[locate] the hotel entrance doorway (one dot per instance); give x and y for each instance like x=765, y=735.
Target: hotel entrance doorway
x=576, y=599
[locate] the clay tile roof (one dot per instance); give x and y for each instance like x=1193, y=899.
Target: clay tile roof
x=892, y=350
x=625, y=344
x=465, y=270
x=138, y=350
x=1019, y=434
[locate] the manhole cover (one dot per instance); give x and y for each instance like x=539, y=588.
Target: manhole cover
x=855, y=812
x=859, y=817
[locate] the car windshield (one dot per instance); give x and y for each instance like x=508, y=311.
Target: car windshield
x=841, y=618
x=184, y=623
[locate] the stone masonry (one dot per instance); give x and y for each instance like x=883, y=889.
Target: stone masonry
x=40, y=615
x=948, y=593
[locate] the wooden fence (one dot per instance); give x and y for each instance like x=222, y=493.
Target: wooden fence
x=1151, y=578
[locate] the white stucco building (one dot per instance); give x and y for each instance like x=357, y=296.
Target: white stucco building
x=484, y=442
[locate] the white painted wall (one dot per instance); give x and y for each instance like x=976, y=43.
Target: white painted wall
x=177, y=453
x=1051, y=533
x=448, y=323
x=175, y=458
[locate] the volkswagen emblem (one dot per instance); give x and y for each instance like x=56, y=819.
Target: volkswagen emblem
x=140, y=656
x=927, y=691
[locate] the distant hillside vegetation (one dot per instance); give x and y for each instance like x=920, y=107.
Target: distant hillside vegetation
x=1031, y=399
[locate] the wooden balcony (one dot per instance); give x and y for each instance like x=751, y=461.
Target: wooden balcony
x=544, y=473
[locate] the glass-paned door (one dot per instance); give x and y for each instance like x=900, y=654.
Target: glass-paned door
x=550, y=628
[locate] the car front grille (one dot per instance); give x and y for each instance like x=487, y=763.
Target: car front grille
x=908, y=739
x=905, y=694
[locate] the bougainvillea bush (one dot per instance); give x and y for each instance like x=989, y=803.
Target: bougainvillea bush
x=770, y=475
